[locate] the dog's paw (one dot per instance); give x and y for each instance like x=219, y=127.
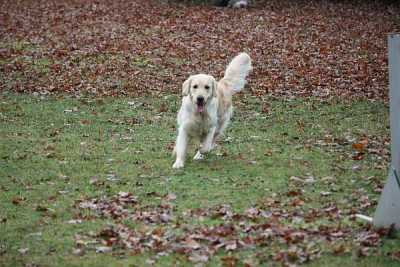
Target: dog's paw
x=178, y=164
x=198, y=156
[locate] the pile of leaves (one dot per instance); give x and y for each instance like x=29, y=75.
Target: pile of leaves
x=107, y=47
x=280, y=228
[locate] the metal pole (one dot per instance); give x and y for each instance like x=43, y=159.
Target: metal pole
x=388, y=210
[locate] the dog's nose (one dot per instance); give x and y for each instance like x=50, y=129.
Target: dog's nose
x=200, y=99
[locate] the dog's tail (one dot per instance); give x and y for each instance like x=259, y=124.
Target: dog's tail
x=236, y=72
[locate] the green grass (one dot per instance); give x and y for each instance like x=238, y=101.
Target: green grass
x=51, y=149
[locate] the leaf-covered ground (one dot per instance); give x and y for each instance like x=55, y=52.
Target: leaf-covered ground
x=299, y=48
x=88, y=182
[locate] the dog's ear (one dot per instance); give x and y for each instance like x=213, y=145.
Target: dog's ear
x=186, y=86
x=214, y=88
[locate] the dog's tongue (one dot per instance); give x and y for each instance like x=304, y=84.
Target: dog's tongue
x=200, y=108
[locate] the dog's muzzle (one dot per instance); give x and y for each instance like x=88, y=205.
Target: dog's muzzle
x=200, y=104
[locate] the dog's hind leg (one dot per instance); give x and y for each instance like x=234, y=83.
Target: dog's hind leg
x=223, y=124
x=206, y=144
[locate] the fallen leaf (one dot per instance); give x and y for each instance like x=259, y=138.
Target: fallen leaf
x=23, y=251
x=198, y=258
x=74, y=221
x=325, y=193
x=170, y=196
x=360, y=147
x=191, y=243
x=103, y=249
x=229, y=261
x=78, y=252
x=17, y=200
x=395, y=255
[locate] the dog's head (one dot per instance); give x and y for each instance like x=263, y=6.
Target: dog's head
x=201, y=88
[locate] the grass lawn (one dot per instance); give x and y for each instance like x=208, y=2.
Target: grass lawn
x=288, y=178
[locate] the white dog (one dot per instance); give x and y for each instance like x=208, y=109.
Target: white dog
x=207, y=107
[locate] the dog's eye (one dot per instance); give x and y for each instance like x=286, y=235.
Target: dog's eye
x=195, y=86
x=207, y=87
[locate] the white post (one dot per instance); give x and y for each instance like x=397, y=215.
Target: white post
x=388, y=210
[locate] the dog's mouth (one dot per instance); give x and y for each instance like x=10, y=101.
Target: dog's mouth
x=200, y=107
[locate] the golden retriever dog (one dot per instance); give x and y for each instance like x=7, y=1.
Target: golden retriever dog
x=207, y=107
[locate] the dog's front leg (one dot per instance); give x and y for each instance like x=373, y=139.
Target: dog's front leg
x=180, y=148
x=206, y=145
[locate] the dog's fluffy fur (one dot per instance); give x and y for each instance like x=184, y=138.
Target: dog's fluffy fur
x=207, y=107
